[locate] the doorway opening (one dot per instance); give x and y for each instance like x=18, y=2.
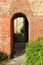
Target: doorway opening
x=19, y=33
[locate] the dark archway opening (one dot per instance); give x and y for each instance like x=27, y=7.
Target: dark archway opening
x=19, y=39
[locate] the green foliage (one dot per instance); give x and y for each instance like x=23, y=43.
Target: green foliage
x=3, y=57
x=24, y=31
x=34, y=52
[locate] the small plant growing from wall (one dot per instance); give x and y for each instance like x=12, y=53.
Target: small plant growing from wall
x=34, y=52
x=3, y=57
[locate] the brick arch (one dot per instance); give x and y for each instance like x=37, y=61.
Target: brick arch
x=16, y=15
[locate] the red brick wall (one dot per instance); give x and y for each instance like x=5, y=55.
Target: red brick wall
x=36, y=27
x=7, y=10
x=5, y=35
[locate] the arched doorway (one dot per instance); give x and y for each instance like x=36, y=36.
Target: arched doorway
x=19, y=29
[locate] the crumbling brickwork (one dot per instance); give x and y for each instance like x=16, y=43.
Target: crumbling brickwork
x=32, y=9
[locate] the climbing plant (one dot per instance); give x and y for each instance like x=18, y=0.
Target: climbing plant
x=34, y=52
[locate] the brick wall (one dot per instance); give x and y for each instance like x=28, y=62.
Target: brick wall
x=32, y=9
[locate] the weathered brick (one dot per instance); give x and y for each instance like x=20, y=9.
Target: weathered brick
x=32, y=9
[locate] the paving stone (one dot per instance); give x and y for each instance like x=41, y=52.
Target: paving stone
x=16, y=61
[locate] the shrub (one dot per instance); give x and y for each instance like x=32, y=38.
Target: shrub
x=3, y=57
x=34, y=52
